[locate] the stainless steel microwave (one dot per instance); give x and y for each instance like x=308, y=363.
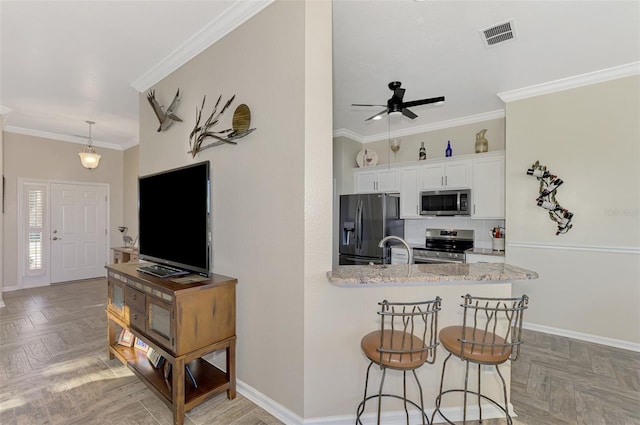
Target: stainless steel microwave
x=445, y=202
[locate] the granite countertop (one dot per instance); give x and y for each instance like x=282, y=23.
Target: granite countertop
x=484, y=251
x=427, y=274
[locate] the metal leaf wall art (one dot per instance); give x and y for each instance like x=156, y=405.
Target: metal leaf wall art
x=204, y=131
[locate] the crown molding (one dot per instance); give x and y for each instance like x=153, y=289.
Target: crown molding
x=231, y=19
x=600, y=76
x=5, y=110
x=61, y=137
x=470, y=119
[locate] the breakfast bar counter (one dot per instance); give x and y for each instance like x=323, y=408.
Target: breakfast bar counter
x=427, y=274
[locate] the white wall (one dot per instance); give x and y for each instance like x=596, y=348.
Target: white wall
x=589, y=277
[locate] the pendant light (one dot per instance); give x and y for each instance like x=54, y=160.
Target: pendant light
x=89, y=158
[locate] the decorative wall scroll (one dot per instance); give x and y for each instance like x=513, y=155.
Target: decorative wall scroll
x=547, y=199
x=240, y=126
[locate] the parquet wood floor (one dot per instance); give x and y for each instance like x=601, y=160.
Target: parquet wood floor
x=54, y=371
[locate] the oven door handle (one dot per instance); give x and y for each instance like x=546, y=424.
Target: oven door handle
x=435, y=261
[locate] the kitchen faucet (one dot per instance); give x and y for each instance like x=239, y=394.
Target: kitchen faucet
x=406, y=245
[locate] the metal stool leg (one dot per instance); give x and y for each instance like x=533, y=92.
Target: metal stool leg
x=439, y=397
x=479, y=397
x=364, y=399
x=504, y=390
x=422, y=413
x=384, y=373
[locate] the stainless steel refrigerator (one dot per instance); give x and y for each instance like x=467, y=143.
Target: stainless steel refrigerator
x=364, y=220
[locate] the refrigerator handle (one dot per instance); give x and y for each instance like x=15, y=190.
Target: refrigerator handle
x=361, y=226
x=358, y=223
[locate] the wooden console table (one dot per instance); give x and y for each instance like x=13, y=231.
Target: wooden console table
x=181, y=321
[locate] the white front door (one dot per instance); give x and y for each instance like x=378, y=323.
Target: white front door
x=78, y=235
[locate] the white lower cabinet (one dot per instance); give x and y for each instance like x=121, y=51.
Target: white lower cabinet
x=483, y=258
x=399, y=255
x=488, y=187
x=409, y=192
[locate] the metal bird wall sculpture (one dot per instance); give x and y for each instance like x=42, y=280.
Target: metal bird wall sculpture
x=166, y=118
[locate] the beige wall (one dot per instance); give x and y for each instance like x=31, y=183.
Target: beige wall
x=131, y=166
x=1, y=212
x=462, y=137
x=39, y=158
x=589, y=277
x=258, y=186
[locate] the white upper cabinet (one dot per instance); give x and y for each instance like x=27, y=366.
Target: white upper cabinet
x=447, y=174
x=409, y=192
x=368, y=181
x=488, y=187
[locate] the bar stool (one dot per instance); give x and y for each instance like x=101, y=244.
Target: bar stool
x=491, y=334
x=407, y=339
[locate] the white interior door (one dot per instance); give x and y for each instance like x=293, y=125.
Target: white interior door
x=78, y=232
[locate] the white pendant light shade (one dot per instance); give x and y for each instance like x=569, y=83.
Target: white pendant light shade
x=88, y=157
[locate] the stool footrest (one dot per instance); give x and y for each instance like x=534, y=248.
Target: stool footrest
x=361, y=406
x=475, y=393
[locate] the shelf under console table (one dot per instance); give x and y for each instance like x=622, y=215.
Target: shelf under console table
x=182, y=319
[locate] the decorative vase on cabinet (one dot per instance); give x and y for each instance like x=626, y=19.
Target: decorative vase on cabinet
x=482, y=144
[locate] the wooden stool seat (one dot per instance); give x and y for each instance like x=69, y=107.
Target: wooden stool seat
x=479, y=347
x=399, y=341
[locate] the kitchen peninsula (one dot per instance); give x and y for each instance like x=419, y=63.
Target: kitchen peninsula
x=357, y=290
x=427, y=274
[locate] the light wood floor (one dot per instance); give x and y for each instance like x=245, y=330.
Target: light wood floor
x=54, y=370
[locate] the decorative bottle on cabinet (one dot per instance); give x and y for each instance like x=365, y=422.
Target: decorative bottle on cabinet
x=482, y=145
x=448, y=152
x=422, y=154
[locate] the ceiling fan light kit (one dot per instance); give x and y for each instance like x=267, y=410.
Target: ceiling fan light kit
x=88, y=156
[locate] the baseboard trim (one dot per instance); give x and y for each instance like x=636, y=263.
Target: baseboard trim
x=271, y=406
x=285, y=415
x=596, y=339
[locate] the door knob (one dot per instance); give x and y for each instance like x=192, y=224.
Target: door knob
x=55, y=238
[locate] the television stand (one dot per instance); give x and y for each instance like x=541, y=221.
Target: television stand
x=182, y=322
x=162, y=271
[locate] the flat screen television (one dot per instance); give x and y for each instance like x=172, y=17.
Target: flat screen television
x=174, y=210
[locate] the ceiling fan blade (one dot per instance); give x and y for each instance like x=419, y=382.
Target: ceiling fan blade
x=360, y=104
x=378, y=114
x=423, y=102
x=407, y=113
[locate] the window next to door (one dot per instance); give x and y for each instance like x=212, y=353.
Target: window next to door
x=35, y=198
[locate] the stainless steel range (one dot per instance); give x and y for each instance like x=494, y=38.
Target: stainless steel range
x=443, y=246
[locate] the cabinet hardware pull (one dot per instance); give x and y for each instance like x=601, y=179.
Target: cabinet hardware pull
x=441, y=181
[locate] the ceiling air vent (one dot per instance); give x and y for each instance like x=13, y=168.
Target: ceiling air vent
x=497, y=34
